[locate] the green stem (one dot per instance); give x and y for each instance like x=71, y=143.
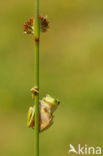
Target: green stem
x=36, y=36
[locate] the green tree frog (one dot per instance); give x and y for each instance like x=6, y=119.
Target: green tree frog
x=47, y=107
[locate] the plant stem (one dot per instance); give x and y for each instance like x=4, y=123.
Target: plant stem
x=36, y=37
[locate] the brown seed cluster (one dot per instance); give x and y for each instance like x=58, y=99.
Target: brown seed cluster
x=29, y=25
x=44, y=24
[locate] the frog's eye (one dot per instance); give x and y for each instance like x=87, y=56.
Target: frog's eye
x=57, y=101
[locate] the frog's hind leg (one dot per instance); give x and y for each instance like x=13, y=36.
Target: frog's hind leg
x=46, y=120
x=49, y=125
x=31, y=117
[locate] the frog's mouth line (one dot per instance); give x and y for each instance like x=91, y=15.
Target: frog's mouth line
x=49, y=103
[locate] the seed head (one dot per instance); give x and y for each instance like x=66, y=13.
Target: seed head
x=29, y=25
x=44, y=24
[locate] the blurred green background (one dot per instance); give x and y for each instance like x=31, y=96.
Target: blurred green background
x=71, y=68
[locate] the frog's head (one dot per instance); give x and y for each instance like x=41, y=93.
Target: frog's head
x=52, y=102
